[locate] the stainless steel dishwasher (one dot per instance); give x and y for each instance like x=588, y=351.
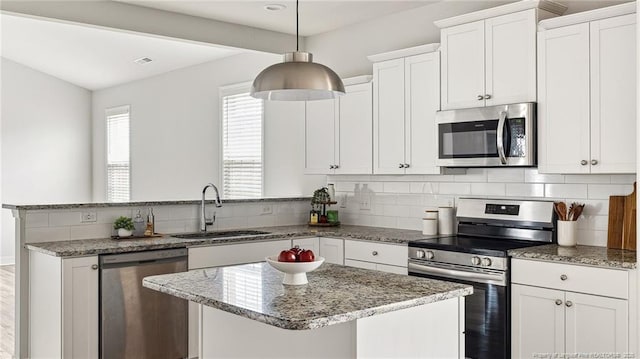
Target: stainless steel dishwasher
x=136, y=322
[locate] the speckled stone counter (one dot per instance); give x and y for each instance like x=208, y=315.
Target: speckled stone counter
x=86, y=247
x=585, y=255
x=335, y=294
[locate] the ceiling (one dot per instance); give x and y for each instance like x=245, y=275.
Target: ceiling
x=316, y=16
x=96, y=58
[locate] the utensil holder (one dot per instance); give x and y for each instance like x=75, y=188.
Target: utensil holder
x=567, y=233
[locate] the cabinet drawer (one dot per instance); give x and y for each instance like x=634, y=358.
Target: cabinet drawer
x=230, y=254
x=592, y=280
x=395, y=255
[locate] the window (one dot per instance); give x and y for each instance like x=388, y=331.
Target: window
x=118, y=166
x=241, y=143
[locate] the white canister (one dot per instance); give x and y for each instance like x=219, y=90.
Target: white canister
x=567, y=233
x=332, y=192
x=446, y=220
x=429, y=226
x=431, y=214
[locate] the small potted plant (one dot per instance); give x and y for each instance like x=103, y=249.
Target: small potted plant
x=124, y=225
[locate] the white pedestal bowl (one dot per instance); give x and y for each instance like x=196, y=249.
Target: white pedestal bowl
x=295, y=273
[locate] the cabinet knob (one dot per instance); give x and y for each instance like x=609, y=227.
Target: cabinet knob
x=558, y=302
x=487, y=96
x=330, y=167
x=375, y=253
x=94, y=266
x=480, y=97
x=568, y=303
x=594, y=162
x=336, y=166
x=584, y=162
x=406, y=165
x=563, y=277
x=401, y=165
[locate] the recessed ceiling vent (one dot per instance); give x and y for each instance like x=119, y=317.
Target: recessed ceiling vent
x=142, y=61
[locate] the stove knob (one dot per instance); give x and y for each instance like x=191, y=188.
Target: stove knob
x=486, y=262
x=475, y=261
x=429, y=255
x=419, y=254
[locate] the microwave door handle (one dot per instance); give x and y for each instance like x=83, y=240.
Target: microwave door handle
x=499, y=137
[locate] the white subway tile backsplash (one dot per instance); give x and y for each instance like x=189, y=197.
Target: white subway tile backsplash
x=531, y=175
x=170, y=226
x=409, y=199
x=525, y=190
x=397, y=187
x=64, y=218
x=46, y=234
x=393, y=210
x=592, y=238
x=588, y=178
x=88, y=231
x=505, y=175
x=417, y=187
x=556, y=190
x=593, y=222
x=488, y=189
x=434, y=201
x=384, y=199
x=472, y=175
x=617, y=179
x=109, y=215
x=455, y=188
x=603, y=191
x=37, y=220
x=593, y=207
x=410, y=223
x=373, y=186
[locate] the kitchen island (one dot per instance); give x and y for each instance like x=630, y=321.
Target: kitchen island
x=246, y=311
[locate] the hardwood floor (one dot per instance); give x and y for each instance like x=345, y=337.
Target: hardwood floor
x=7, y=298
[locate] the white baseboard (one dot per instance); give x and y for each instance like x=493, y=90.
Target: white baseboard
x=6, y=260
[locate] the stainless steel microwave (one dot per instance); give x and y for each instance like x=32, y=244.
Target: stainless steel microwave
x=496, y=136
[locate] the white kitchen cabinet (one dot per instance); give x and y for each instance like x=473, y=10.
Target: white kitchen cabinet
x=384, y=257
x=332, y=249
x=221, y=255
x=587, y=89
x=406, y=97
x=64, y=304
x=490, y=62
x=338, y=133
x=308, y=243
x=562, y=308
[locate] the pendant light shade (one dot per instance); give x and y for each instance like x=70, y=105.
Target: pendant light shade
x=298, y=78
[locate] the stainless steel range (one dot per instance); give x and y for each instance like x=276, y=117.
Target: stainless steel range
x=477, y=255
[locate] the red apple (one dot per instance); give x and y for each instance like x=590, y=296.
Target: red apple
x=297, y=251
x=307, y=256
x=287, y=256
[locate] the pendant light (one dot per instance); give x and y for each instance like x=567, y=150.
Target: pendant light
x=298, y=78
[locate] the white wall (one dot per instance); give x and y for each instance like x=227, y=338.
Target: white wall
x=175, y=132
x=345, y=50
x=46, y=143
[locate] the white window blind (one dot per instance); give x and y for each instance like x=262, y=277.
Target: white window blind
x=118, y=167
x=241, y=146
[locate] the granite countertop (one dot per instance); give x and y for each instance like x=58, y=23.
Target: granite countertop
x=86, y=247
x=587, y=255
x=335, y=294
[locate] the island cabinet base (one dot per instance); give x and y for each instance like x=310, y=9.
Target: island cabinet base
x=432, y=330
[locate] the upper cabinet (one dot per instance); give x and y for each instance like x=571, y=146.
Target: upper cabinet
x=339, y=132
x=406, y=97
x=492, y=60
x=587, y=92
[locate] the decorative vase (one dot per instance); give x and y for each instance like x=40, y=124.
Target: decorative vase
x=124, y=232
x=567, y=233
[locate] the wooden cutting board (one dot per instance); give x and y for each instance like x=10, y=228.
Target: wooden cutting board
x=621, y=232
x=629, y=223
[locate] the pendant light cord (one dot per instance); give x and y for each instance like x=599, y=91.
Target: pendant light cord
x=297, y=22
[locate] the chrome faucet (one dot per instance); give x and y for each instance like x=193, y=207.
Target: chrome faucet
x=204, y=221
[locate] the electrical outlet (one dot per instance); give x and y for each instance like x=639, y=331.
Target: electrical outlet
x=89, y=217
x=343, y=201
x=365, y=203
x=266, y=209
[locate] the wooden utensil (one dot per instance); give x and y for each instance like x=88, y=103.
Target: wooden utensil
x=577, y=211
x=562, y=209
x=629, y=221
x=616, y=220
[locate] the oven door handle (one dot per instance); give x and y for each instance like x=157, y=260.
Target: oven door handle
x=499, y=137
x=498, y=279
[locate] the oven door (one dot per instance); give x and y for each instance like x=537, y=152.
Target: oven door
x=487, y=310
x=487, y=137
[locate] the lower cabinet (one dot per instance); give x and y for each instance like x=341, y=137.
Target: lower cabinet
x=332, y=249
x=556, y=320
x=377, y=256
x=63, y=305
x=220, y=255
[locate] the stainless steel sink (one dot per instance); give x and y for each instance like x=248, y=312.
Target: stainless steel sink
x=219, y=234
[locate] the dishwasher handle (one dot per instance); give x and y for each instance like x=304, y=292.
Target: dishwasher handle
x=164, y=255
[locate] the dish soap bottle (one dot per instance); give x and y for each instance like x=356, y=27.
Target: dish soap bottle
x=150, y=223
x=139, y=225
